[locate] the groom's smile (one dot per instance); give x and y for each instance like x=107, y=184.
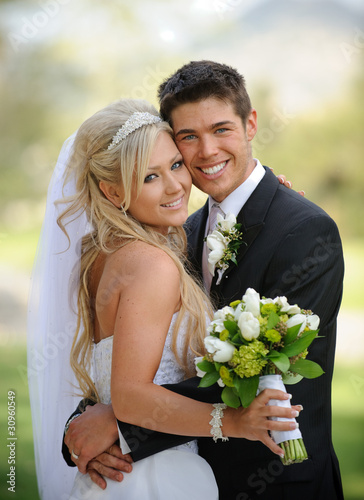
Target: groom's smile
x=214, y=170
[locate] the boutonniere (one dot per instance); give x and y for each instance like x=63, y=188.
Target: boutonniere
x=223, y=243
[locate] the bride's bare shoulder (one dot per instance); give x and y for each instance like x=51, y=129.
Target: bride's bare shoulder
x=140, y=258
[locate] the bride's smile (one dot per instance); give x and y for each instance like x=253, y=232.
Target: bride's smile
x=163, y=200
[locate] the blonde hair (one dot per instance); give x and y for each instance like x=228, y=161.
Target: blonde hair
x=125, y=164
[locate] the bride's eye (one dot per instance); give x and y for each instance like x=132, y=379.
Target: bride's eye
x=177, y=165
x=150, y=177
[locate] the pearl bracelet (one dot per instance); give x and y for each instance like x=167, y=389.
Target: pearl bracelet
x=216, y=422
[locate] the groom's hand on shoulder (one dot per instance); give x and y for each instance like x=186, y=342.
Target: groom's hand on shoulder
x=283, y=180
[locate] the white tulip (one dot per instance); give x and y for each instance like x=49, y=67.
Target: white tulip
x=251, y=300
x=285, y=307
x=297, y=319
x=216, y=325
x=224, y=313
x=221, y=351
x=267, y=301
x=313, y=322
x=239, y=309
x=249, y=326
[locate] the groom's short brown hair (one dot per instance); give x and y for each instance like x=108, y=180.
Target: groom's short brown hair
x=199, y=80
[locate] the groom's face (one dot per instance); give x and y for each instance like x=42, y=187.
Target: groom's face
x=215, y=145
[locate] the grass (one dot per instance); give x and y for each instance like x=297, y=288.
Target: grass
x=348, y=430
x=14, y=356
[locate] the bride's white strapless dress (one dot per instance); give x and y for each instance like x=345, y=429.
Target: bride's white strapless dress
x=175, y=474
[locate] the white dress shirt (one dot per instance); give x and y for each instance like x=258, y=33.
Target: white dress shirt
x=232, y=204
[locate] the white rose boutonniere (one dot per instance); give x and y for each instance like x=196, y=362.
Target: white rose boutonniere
x=223, y=243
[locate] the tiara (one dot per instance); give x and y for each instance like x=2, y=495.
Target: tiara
x=135, y=121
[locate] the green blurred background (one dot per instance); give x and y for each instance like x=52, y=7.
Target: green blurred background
x=303, y=61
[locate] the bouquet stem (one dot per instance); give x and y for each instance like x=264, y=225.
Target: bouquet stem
x=291, y=442
x=294, y=451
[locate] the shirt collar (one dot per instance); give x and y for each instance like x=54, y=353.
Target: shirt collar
x=237, y=199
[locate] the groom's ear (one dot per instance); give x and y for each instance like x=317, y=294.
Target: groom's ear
x=112, y=193
x=251, y=125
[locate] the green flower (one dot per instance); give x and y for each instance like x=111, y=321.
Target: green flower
x=226, y=376
x=224, y=335
x=273, y=336
x=284, y=318
x=262, y=321
x=304, y=354
x=248, y=360
x=235, y=303
x=266, y=309
x=263, y=324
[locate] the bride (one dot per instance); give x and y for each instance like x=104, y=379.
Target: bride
x=141, y=317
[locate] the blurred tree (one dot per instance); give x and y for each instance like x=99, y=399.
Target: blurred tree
x=90, y=54
x=322, y=153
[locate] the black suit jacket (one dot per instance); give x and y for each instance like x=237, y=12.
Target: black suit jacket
x=293, y=248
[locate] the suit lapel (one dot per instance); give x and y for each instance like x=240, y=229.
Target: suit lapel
x=251, y=217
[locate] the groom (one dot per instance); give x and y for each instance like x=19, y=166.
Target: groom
x=292, y=248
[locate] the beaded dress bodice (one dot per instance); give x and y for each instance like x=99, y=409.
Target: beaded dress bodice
x=168, y=371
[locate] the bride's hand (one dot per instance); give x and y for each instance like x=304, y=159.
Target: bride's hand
x=109, y=464
x=253, y=422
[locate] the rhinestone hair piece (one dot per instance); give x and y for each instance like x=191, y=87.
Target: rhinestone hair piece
x=135, y=121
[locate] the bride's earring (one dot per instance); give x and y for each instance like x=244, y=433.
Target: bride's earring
x=123, y=210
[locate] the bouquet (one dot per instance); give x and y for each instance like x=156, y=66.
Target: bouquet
x=254, y=338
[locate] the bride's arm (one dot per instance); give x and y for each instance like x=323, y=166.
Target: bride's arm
x=145, y=309
x=147, y=302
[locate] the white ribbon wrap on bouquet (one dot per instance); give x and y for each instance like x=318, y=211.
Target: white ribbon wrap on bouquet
x=275, y=382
